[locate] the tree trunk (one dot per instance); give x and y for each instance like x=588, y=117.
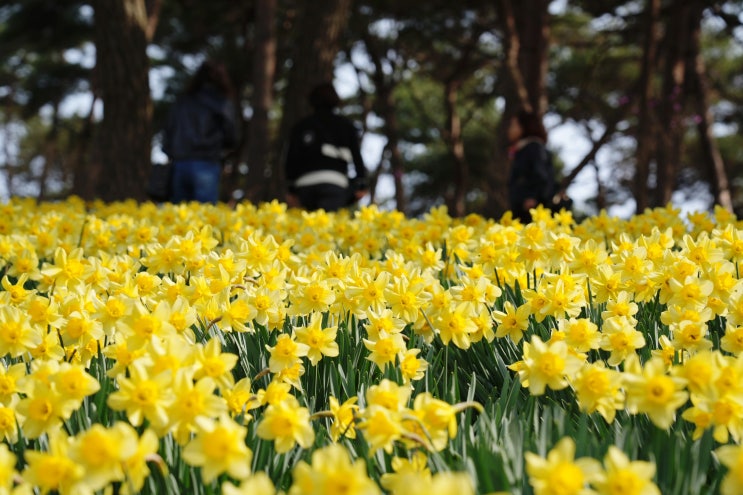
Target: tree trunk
x=512, y=40
x=264, y=70
x=645, y=139
x=392, y=132
x=318, y=26
x=384, y=88
x=455, y=142
x=532, y=23
x=671, y=107
x=80, y=160
x=122, y=69
x=51, y=153
x=720, y=182
x=525, y=30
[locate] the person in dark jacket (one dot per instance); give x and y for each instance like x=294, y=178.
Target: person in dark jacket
x=532, y=178
x=321, y=147
x=201, y=128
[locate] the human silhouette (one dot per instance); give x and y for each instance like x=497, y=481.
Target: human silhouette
x=200, y=130
x=532, y=178
x=321, y=147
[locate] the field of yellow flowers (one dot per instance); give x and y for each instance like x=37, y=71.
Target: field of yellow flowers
x=198, y=349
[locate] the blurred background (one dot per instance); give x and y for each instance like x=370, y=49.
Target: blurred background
x=643, y=100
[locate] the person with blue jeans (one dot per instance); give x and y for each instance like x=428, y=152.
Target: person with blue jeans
x=201, y=128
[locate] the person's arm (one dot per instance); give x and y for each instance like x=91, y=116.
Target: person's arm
x=229, y=126
x=362, y=184
x=541, y=180
x=168, y=130
x=546, y=173
x=292, y=160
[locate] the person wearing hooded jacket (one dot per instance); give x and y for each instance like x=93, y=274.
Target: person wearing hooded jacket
x=201, y=128
x=532, y=177
x=321, y=147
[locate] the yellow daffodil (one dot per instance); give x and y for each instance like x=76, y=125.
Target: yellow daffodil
x=435, y=419
x=285, y=353
x=240, y=399
x=15, y=293
x=210, y=361
x=236, y=312
x=142, y=324
x=411, y=366
x=287, y=424
x=389, y=395
x=69, y=269
x=546, y=365
x=43, y=409
x=368, y=292
x=54, y=470
x=607, y=284
x=143, y=396
x=404, y=298
x=344, y=416
x=690, y=336
x=10, y=421
x=452, y=483
x=598, y=388
x=410, y=476
x=560, y=473
x=384, y=321
x=136, y=468
x=621, y=339
x=276, y=391
x=17, y=334
x=382, y=427
x=267, y=303
x=732, y=341
x=319, y=340
x=385, y=349
x=7, y=468
x=651, y=390
x=731, y=456
x=667, y=351
x=456, y=325
x=257, y=484
x=73, y=383
x=194, y=404
x=512, y=322
x=581, y=334
x=700, y=371
x=311, y=294
x=9, y=377
x=332, y=471
x=562, y=300
x=219, y=447
x=625, y=477
x=102, y=451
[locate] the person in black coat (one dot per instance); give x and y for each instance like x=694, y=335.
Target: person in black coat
x=321, y=147
x=532, y=178
x=200, y=130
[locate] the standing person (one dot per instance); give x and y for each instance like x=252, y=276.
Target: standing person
x=532, y=178
x=321, y=146
x=201, y=128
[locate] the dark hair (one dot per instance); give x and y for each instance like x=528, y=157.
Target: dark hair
x=323, y=96
x=531, y=125
x=211, y=73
